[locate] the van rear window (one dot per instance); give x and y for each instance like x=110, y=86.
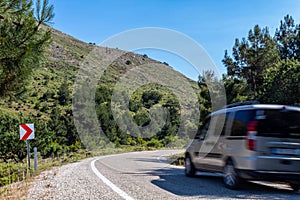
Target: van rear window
x=279, y=123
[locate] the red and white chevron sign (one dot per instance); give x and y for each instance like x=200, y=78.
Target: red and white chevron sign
x=26, y=131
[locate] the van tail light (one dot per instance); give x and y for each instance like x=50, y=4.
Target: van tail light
x=251, y=135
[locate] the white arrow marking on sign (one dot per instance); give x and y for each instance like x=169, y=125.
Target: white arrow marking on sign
x=26, y=131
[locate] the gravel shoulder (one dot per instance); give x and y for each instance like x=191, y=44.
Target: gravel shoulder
x=72, y=181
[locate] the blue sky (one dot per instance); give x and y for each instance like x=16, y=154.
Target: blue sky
x=213, y=24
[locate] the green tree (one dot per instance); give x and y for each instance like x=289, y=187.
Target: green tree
x=237, y=90
x=64, y=94
x=282, y=83
x=251, y=57
x=288, y=38
x=210, y=89
x=22, y=41
x=151, y=98
x=12, y=148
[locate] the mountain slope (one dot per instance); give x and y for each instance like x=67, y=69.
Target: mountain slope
x=48, y=99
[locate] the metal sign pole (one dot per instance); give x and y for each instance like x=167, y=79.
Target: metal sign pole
x=28, y=153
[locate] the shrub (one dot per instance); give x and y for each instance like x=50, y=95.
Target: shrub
x=128, y=62
x=10, y=173
x=154, y=143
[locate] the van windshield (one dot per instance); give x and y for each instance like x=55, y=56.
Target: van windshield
x=279, y=123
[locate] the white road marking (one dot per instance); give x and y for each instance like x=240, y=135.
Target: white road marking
x=120, y=192
x=159, y=158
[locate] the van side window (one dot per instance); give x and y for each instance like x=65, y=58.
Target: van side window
x=201, y=135
x=240, y=122
x=219, y=123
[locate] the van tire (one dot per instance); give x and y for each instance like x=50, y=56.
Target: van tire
x=231, y=178
x=189, y=168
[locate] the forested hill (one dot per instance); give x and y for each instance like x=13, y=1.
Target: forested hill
x=47, y=101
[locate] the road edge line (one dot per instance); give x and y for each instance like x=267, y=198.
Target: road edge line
x=115, y=188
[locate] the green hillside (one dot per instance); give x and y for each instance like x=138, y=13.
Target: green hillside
x=47, y=101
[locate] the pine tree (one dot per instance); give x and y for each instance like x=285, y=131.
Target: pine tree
x=22, y=41
x=286, y=37
x=252, y=57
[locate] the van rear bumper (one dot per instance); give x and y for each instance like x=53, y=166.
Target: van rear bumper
x=269, y=175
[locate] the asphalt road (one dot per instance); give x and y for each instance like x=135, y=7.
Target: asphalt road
x=148, y=175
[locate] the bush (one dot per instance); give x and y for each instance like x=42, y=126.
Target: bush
x=10, y=173
x=154, y=143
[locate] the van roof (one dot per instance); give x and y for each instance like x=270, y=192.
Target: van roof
x=256, y=106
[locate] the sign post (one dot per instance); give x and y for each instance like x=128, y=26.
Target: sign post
x=27, y=133
x=28, y=153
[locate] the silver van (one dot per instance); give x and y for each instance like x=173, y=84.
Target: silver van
x=249, y=142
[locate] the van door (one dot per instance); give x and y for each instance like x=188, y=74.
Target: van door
x=198, y=142
x=278, y=140
x=213, y=159
x=236, y=139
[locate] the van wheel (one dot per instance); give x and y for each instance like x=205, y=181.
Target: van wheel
x=189, y=169
x=231, y=178
x=295, y=186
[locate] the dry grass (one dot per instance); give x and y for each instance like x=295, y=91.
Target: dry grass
x=14, y=191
